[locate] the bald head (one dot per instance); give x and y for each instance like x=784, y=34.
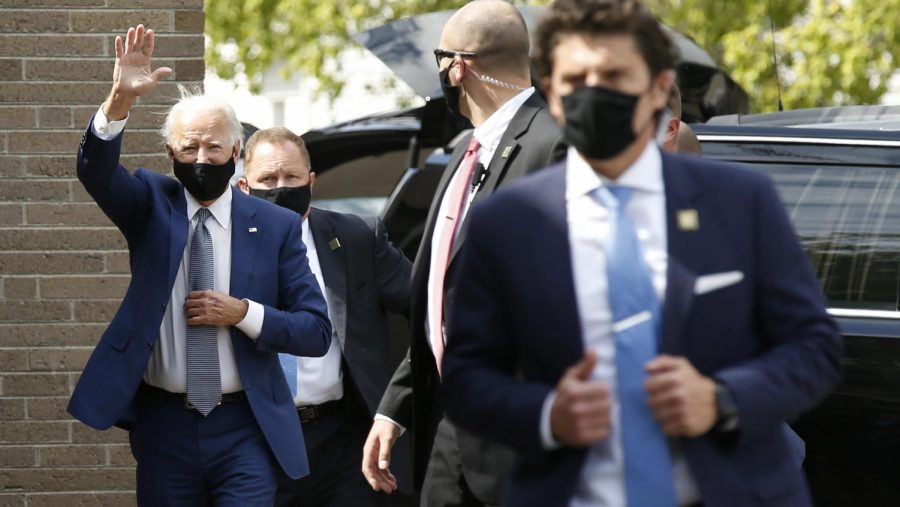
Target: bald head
x=496, y=31
x=686, y=141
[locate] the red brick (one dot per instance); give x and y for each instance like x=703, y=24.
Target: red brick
x=118, y=262
x=53, y=409
x=16, y=117
x=34, y=311
x=31, y=21
x=87, y=238
x=118, y=22
x=64, y=214
x=84, y=287
x=54, y=117
x=50, y=263
x=28, y=432
x=54, y=93
x=34, y=190
x=12, y=167
x=11, y=409
x=83, y=434
x=11, y=214
x=16, y=457
x=55, y=479
x=96, y=311
x=20, y=288
x=58, y=45
x=35, y=384
x=10, y=70
x=13, y=360
x=42, y=142
x=93, y=499
x=58, y=359
x=120, y=455
x=50, y=335
x=59, y=456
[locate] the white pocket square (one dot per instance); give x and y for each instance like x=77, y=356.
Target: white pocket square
x=716, y=281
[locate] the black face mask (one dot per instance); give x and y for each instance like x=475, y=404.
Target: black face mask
x=451, y=95
x=598, y=121
x=204, y=181
x=295, y=199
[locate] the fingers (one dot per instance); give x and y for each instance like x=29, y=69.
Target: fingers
x=120, y=49
x=160, y=73
x=379, y=479
x=129, y=40
x=138, y=38
x=582, y=369
x=665, y=362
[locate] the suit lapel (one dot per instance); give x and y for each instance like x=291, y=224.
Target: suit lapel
x=681, y=195
x=501, y=159
x=179, y=225
x=245, y=238
x=333, y=263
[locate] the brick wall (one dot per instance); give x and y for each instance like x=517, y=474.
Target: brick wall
x=63, y=267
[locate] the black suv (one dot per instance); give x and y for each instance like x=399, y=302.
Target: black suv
x=838, y=173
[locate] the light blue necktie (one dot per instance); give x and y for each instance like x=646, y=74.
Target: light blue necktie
x=289, y=366
x=635, y=310
x=204, y=384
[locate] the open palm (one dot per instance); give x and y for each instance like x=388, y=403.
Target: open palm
x=132, y=74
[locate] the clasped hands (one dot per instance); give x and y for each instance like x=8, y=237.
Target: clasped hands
x=680, y=398
x=208, y=307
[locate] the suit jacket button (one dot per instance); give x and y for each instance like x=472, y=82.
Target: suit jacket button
x=162, y=306
x=150, y=346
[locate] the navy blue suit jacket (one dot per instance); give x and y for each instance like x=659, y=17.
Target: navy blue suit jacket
x=268, y=266
x=515, y=329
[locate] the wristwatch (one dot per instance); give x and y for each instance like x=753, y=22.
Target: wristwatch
x=727, y=412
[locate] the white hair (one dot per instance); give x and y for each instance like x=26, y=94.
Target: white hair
x=194, y=99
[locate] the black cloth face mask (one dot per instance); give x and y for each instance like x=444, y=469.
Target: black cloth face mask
x=204, y=181
x=598, y=121
x=451, y=95
x=295, y=199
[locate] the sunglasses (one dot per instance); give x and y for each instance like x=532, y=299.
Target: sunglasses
x=440, y=54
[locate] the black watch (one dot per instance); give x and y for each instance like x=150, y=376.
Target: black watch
x=727, y=412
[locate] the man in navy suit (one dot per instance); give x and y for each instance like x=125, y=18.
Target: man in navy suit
x=220, y=285
x=637, y=325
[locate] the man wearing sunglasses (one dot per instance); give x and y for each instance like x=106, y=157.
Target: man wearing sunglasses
x=486, y=78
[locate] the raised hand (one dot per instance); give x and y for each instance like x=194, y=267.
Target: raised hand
x=132, y=76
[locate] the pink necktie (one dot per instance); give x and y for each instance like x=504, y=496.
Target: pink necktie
x=446, y=227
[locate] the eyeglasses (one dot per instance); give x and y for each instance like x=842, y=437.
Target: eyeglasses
x=440, y=54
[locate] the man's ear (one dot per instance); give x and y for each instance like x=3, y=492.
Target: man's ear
x=554, y=102
x=243, y=185
x=170, y=152
x=236, y=152
x=312, y=180
x=460, y=69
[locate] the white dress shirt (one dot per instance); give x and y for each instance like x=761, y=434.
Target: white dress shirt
x=319, y=379
x=167, y=368
x=602, y=480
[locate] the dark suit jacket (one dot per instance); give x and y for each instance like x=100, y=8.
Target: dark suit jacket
x=269, y=266
x=531, y=142
x=365, y=276
x=515, y=330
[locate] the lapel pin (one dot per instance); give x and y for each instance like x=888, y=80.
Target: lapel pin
x=688, y=220
x=506, y=152
x=334, y=244
x=252, y=229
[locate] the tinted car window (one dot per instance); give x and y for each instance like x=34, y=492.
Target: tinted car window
x=361, y=185
x=848, y=219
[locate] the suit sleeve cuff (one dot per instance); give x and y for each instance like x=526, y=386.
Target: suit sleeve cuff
x=253, y=321
x=107, y=130
x=547, y=440
x=382, y=417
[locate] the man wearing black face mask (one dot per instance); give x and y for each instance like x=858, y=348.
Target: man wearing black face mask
x=483, y=67
x=624, y=320
x=363, y=276
x=220, y=285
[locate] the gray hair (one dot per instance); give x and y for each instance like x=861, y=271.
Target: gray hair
x=193, y=98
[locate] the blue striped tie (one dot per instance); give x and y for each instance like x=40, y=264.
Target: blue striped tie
x=633, y=300
x=204, y=385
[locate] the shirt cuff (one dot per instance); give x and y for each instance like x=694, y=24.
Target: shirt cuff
x=105, y=129
x=382, y=417
x=253, y=321
x=547, y=439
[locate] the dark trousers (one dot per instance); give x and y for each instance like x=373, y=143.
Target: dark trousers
x=185, y=459
x=334, y=444
x=445, y=485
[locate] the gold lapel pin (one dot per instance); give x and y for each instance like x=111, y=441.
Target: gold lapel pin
x=252, y=229
x=506, y=152
x=688, y=220
x=334, y=244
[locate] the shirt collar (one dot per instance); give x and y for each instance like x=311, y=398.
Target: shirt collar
x=644, y=175
x=490, y=132
x=220, y=209
x=305, y=233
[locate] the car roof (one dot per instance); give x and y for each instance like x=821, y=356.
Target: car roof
x=866, y=118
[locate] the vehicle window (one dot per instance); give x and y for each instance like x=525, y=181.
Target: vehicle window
x=848, y=219
x=360, y=186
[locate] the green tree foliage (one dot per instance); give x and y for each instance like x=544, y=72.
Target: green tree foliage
x=830, y=52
